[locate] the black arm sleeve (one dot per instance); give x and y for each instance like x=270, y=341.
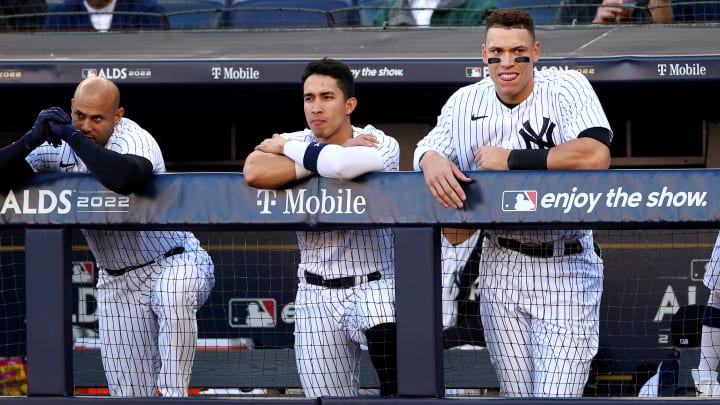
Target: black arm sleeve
x=598, y=133
x=121, y=173
x=14, y=169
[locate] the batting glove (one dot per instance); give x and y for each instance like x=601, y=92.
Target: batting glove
x=39, y=134
x=62, y=131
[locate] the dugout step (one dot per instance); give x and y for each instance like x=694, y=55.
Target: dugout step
x=242, y=343
x=89, y=377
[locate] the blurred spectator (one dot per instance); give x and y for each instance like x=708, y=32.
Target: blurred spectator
x=14, y=7
x=106, y=15
x=432, y=12
x=614, y=11
x=685, y=331
x=368, y=10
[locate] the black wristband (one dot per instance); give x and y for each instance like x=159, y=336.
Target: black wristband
x=528, y=159
x=310, y=157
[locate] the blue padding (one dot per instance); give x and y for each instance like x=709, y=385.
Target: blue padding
x=615, y=199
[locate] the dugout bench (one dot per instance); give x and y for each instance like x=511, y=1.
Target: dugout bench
x=275, y=370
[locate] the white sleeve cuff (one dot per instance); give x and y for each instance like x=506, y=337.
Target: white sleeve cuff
x=295, y=150
x=419, y=151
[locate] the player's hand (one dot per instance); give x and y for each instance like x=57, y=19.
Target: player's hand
x=58, y=117
x=362, y=140
x=443, y=179
x=61, y=131
x=491, y=158
x=605, y=15
x=39, y=132
x=275, y=145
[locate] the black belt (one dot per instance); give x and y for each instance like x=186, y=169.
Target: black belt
x=171, y=252
x=544, y=249
x=342, y=282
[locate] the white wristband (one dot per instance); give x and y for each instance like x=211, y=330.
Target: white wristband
x=301, y=172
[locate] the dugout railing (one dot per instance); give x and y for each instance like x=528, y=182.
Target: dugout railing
x=51, y=205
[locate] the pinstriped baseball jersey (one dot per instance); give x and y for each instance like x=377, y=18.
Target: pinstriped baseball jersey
x=561, y=105
x=351, y=252
x=117, y=249
x=712, y=272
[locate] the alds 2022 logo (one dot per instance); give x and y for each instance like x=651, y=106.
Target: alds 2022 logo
x=42, y=201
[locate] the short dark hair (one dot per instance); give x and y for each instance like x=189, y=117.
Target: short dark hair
x=333, y=68
x=511, y=18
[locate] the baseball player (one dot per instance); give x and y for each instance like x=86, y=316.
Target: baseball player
x=151, y=283
x=539, y=289
x=460, y=250
x=346, y=291
x=706, y=375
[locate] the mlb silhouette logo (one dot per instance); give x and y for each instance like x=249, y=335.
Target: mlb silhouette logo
x=252, y=312
x=82, y=272
x=474, y=71
x=89, y=73
x=519, y=200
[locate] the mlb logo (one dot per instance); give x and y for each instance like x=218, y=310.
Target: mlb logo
x=519, y=200
x=82, y=272
x=474, y=71
x=89, y=73
x=252, y=313
x=698, y=267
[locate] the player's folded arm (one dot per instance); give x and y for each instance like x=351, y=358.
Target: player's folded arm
x=13, y=166
x=335, y=161
x=121, y=173
x=268, y=170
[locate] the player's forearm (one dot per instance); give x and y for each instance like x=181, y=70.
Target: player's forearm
x=335, y=161
x=13, y=166
x=268, y=170
x=579, y=154
x=123, y=174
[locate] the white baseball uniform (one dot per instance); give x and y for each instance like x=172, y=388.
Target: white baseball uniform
x=706, y=374
x=330, y=323
x=541, y=314
x=147, y=316
x=712, y=272
x=454, y=258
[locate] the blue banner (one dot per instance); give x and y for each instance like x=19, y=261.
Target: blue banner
x=609, y=198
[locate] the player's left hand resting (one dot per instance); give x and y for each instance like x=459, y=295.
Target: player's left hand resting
x=362, y=140
x=275, y=145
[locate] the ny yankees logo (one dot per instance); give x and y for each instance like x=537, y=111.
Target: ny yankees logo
x=531, y=137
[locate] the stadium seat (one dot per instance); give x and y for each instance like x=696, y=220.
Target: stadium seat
x=291, y=13
x=181, y=14
x=540, y=10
